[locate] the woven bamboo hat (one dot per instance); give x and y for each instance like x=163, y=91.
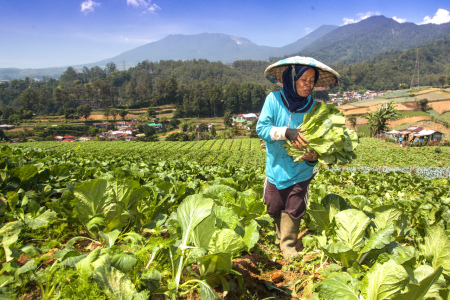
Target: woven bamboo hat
x=328, y=78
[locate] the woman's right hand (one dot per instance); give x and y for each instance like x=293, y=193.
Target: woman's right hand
x=296, y=138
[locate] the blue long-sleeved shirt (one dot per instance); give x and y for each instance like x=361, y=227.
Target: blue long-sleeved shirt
x=281, y=170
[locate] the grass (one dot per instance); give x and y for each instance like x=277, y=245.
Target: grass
x=413, y=114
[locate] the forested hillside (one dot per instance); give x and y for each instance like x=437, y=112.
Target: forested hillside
x=357, y=42
x=198, y=88
x=395, y=69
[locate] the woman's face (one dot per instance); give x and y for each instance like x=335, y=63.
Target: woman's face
x=305, y=84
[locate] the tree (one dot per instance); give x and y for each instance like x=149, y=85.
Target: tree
x=107, y=113
x=29, y=98
x=84, y=111
x=227, y=119
x=201, y=128
x=114, y=113
x=151, y=112
x=442, y=80
x=14, y=119
x=213, y=131
x=253, y=133
x=231, y=97
x=378, y=119
x=174, y=122
x=123, y=113
x=3, y=136
x=424, y=105
x=68, y=76
x=110, y=68
x=69, y=112
x=352, y=120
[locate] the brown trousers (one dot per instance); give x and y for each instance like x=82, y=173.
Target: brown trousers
x=293, y=200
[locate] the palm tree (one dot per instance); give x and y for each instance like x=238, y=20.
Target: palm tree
x=378, y=119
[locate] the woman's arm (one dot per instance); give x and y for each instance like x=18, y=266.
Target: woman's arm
x=265, y=128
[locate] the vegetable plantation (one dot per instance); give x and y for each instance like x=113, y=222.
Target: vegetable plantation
x=182, y=220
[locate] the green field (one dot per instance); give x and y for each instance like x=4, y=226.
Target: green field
x=187, y=220
x=247, y=152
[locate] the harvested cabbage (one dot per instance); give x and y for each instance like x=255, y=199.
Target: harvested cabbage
x=324, y=129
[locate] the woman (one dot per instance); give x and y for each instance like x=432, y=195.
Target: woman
x=287, y=182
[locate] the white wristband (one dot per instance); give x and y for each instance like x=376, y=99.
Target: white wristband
x=278, y=133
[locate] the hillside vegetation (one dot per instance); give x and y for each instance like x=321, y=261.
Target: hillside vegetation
x=391, y=69
x=357, y=42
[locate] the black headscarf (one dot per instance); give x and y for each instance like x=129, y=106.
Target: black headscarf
x=290, y=76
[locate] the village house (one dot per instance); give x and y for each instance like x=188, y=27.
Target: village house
x=416, y=134
x=158, y=126
x=57, y=138
x=247, y=117
x=7, y=127
x=102, y=125
x=85, y=138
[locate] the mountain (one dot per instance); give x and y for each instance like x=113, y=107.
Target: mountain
x=337, y=46
x=395, y=68
x=210, y=46
x=356, y=42
x=307, y=40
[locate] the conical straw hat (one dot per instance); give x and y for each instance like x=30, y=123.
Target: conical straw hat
x=328, y=78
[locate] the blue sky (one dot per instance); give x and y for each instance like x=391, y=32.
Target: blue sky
x=53, y=33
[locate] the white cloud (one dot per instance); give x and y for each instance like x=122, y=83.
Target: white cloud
x=440, y=17
x=362, y=16
x=137, y=3
x=89, y=6
x=148, y=6
x=308, y=30
x=153, y=8
x=399, y=20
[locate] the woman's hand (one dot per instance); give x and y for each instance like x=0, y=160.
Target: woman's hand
x=299, y=142
x=296, y=138
x=310, y=156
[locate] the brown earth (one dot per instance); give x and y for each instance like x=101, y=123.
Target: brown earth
x=356, y=110
x=110, y=118
x=403, y=121
x=440, y=106
x=406, y=121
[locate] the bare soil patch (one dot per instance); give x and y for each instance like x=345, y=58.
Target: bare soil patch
x=407, y=120
x=440, y=106
x=364, y=110
x=20, y=129
x=110, y=118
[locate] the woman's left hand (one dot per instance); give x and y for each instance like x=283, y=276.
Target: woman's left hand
x=310, y=156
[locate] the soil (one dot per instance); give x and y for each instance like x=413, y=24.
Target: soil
x=265, y=278
x=259, y=283
x=406, y=121
x=440, y=106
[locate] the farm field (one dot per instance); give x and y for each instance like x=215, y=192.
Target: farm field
x=248, y=152
x=186, y=220
x=439, y=100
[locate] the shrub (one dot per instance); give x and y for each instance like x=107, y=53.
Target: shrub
x=437, y=150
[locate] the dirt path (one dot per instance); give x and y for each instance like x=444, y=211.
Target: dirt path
x=168, y=133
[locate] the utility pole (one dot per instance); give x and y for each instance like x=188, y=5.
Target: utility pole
x=416, y=71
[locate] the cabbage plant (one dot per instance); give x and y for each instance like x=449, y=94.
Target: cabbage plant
x=324, y=130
